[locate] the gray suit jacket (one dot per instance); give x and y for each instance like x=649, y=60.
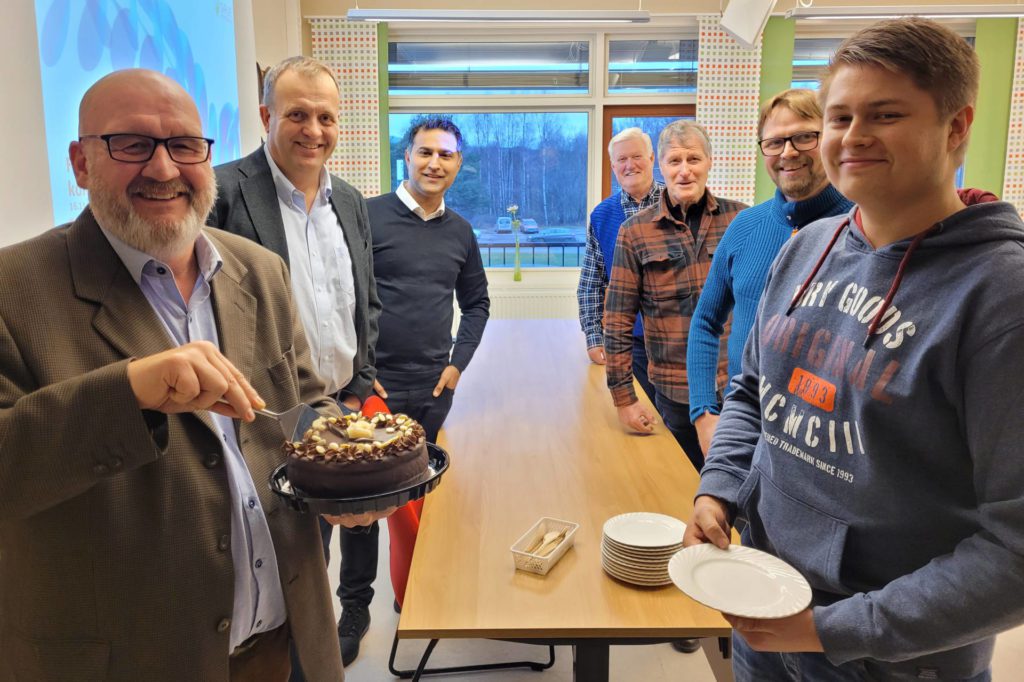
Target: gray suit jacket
x=247, y=206
x=115, y=523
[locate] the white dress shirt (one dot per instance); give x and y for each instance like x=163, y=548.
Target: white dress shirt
x=322, y=280
x=259, y=599
x=407, y=199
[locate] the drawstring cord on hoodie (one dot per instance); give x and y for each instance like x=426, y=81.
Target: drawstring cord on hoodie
x=873, y=327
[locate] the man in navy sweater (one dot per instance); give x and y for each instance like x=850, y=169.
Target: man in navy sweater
x=423, y=253
x=788, y=132
x=632, y=157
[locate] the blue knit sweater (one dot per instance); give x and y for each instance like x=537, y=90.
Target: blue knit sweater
x=738, y=271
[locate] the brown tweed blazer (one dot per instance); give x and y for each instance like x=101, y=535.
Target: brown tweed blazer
x=115, y=561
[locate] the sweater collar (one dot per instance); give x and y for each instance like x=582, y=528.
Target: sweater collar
x=796, y=214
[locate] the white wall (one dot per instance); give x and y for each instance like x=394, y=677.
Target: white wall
x=24, y=176
x=25, y=199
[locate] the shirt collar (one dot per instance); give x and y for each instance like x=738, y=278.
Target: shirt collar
x=796, y=214
x=139, y=262
x=652, y=195
x=414, y=206
x=286, y=190
x=710, y=205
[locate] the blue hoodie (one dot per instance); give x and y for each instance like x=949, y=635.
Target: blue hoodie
x=874, y=438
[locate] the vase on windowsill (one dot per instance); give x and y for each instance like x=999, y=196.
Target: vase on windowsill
x=517, y=272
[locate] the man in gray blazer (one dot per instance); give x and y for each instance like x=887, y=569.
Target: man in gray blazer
x=282, y=196
x=138, y=536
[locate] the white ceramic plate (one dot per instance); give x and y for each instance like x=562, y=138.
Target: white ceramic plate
x=646, y=569
x=643, y=554
x=626, y=558
x=741, y=581
x=645, y=529
x=635, y=579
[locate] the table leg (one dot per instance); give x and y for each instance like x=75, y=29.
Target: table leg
x=721, y=667
x=590, y=662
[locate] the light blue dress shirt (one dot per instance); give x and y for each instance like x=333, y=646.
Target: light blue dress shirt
x=322, y=279
x=259, y=600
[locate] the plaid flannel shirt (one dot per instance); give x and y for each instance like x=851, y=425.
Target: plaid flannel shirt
x=594, y=273
x=659, y=270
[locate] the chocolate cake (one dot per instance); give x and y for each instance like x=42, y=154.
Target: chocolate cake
x=356, y=456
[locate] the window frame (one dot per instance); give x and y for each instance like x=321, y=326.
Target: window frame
x=593, y=103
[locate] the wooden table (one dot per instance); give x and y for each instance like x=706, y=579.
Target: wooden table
x=533, y=433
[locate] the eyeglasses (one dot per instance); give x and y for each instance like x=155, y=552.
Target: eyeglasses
x=133, y=148
x=802, y=142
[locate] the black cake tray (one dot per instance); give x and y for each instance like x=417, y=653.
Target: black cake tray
x=301, y=502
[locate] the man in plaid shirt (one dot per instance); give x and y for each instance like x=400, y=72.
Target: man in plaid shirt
x=662, y=258
x=632, y=160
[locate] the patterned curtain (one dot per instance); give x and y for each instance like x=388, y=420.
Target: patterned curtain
x=350, y=48
x=728, y=88
x=1013, y=175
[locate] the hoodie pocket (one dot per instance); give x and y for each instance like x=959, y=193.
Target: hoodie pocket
x=809, y=539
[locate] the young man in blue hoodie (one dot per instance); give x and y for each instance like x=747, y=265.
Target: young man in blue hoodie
x=873, y=439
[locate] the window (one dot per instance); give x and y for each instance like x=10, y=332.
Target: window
x=651, y=66
x=650, y=119
x=536, y=160
x=491, y=68
x=810, y=57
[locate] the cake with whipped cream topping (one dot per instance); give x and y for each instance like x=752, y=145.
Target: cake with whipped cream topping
x=357, y=456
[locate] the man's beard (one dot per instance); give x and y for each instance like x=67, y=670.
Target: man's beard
x=803, y=186
x=161, y=239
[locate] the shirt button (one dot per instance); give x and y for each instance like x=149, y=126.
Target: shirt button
x=116, y=463
x=252, y=504
x=101, y=470
x=223, y=625
x=161, y=271
x=259, y=563
x=259, y=623
x=212, y=460
x=224, y=543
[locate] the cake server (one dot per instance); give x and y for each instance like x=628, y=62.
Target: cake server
x=293, y=420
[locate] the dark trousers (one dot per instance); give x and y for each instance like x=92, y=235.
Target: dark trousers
x=640, y=367
x=753, y=666
x=359, y=547
x=677, y=420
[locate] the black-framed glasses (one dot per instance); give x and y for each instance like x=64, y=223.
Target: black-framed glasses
x=802, y=142
x=135, y=148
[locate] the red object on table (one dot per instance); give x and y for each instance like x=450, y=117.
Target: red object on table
x=403, y=525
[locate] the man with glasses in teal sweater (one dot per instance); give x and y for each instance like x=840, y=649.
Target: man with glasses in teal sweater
x=788, y=128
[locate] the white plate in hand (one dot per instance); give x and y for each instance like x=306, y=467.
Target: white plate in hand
x=645, y=529
x=740, y=581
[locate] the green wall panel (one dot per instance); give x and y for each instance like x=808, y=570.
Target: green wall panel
x=776, y=76
x=996, y=44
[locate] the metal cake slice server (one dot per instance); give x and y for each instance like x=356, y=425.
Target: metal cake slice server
x=294, y=420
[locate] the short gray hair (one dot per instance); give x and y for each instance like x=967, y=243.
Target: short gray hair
x=631, y=134
x=304, y=66
x=683, y=130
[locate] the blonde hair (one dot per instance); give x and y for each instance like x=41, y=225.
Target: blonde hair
x=803, y=103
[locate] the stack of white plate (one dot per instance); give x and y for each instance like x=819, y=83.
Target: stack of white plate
x=636, y=547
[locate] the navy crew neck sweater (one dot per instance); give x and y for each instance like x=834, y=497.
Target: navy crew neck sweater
x=418, y=265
